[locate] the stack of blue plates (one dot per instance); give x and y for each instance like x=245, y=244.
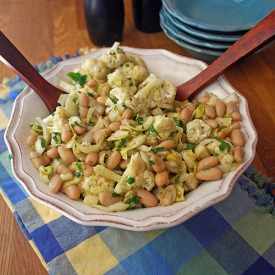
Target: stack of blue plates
x=207, y=28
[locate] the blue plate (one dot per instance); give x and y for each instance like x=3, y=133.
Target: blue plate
x=190, y=39
x=196, y=51
x=220, y=37
x=220, y=15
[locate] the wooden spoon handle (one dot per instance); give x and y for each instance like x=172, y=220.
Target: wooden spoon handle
x=262, y=33
x=12, y=57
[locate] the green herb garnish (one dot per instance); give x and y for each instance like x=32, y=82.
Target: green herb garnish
x=139, y=119
x=158, y=149
x=151, y=162
x=90, y=94
x=191, y=146
x=77, y=174
x=77, y=124
x=130, y=180
x=10, y=156
x=177, y=178
x=90, y=123
x=111, y=144
x=75, y=100
x=43, y=143
x=79, y=167
x=180, y=123
x=77, y=77
x=113, y=99
x=132, y=201
x=56, y=137
x=122, y=143
x=115, y=195
x=224, y=146
x=152, y=129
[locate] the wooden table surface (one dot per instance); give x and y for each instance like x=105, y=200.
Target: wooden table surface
x=48, y=27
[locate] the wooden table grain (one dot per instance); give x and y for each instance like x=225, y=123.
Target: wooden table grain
x=49, y=27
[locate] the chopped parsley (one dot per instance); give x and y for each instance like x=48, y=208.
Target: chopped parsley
x=113, y=99
x=191, y=146
x=122, y=143
x=78, y=78
x=111, y=144
x=10, y=156
x=90, y=94
x=127, y=65
x=177, y=178
x=115, y=195
x=158, y=149
x=224, y=146
x=77, y=174
x=56, y=137
x=151, y=162
x=180, y=123
x=132, y=201
x=131, y=59
x=77, y=124
x=43, y=143
x=75, y=100
x=90, y=123
x=139, y=119
x=130, y=180
x=152, y=129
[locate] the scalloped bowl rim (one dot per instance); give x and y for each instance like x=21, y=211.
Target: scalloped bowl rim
x=156, y=217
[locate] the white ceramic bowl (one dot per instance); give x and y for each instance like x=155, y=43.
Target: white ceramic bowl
x=166, y=65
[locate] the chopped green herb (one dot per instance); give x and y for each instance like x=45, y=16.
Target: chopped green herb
x=139, y=119
x=111, y=144
x=151, y=162
x=52, y=114
x=180, y=123
x=216, y=154
x=90, y=123
x=77, y=124
x=177, y=178
x=224, y=146
x=132, y=201
x=113, y=99
x=130, y=180
x=77, y=174
x=158, y=149
x=122, y=143
x=43, y=143
x=90, y=94
x=10, y=156
x=172, y=134
x=75, y=100
x=127, y=65
x=56, y=137
x=77, y=77
x=124, y=106
x=191, y=146
x=79, y=167
x=115, y=195
x=131, y=59
x=152, y=129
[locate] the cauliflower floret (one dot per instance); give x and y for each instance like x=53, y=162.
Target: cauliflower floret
x=190, y=180
x=95, y=68
x=168, y=195
x=146, y=180
x=95, y=184
x=59, y=119
x=119, y=79
x=190, y=158
x=135, y=71
x=164, y=126
x=174, y=163
x=114, y=57
x=135, y=167
x=197, y=130
x=226, y=163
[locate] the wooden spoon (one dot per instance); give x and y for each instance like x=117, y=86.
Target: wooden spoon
x=259, y=35
x=14, y=59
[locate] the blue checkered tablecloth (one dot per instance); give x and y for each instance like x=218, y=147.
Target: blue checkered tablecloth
x=232, y=237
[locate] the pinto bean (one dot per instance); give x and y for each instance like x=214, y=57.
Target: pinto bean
x=147, y=198
x=114, y=126
x=31, y=139
x=66, y=133
x=113, y=160
x=55, y=184
x=52, y=153
x=128, y=113
x=106, y=198
x=236, y=116
x=73, y=192
x=102, y=99
x=158, y=164
x=162, y=178
x=238, y=154
x=83, y=100
x=92, y=159
x=203, y=99
x=83, y=111
x=237, y=137
x=212, y=123
x=167, y=144
x=81, y=128
x=88, y=170
x=213, y=173
x=185, y=114
x=37, y=159
x=66, y=154
x=208, y=162
x=210, y=111
x=220, y=109
x=231, y=107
